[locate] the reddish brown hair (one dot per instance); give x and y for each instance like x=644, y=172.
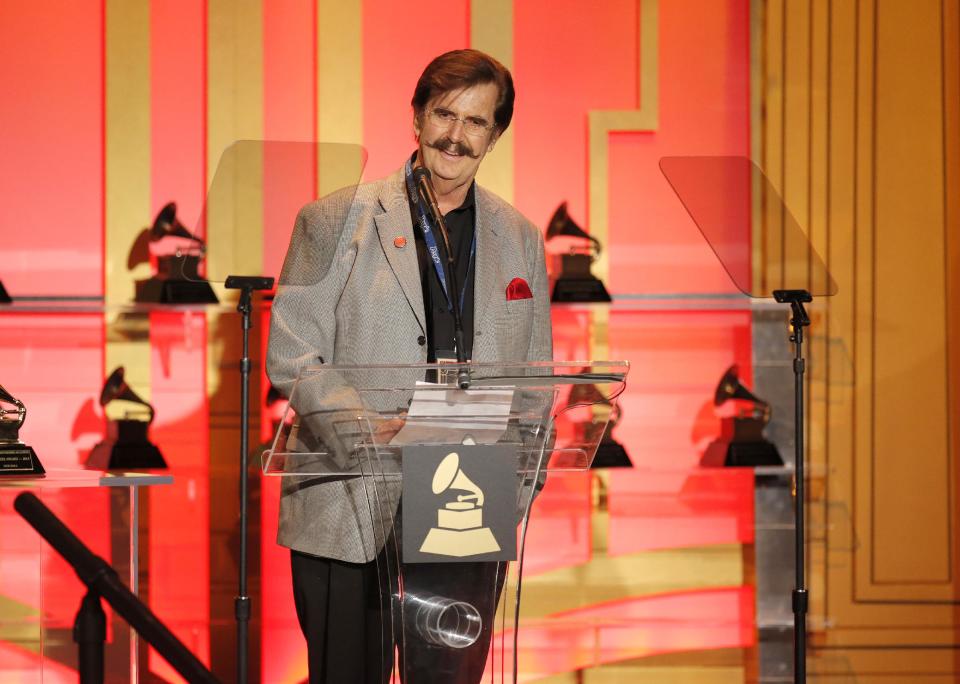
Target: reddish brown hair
x=463, y=69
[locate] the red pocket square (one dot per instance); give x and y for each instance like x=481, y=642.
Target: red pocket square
x=518, y=289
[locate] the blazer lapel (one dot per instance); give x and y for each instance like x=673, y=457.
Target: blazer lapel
x=395, y=223
x=487, y=278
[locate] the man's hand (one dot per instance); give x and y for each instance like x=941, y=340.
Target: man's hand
x=387, y=429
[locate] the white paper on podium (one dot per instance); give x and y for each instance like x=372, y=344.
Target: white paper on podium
x=455, y=416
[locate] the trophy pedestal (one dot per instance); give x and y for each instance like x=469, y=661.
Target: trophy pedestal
x=125, y=448
x=611, y=454
x=748, y=447
x=178, y=281
x=173, y=291
x=575, y=282
x=19, y=460
x=460, y=543
x=579, y=290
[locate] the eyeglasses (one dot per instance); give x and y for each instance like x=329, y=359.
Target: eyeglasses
x=472, y=125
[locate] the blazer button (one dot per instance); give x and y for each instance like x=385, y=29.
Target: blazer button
x=421, y=340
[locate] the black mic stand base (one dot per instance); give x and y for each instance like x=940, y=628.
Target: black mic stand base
x=89, y=633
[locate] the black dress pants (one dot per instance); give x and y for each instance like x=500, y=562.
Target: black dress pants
x=343, y=612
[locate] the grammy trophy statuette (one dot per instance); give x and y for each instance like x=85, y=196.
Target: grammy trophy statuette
x=126, y=446
x=459, y=531
x=741, y=442
x=598, y=429
x=16, y=458
x=178, y=253
x=572, y=250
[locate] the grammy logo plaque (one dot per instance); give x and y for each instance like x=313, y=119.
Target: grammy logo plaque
x=16, y=458
x=459, y=503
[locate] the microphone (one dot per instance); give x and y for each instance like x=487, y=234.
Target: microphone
x=421, y=176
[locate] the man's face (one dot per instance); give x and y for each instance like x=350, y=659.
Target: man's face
x=448, y=150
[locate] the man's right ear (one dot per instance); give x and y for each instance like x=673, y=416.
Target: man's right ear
x=417, y=125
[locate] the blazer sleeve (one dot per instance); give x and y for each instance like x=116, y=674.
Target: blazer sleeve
x=541, y=338
x=303, y=328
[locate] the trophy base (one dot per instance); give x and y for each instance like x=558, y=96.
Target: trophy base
x=19, y=460
x=111, y=455
x=741, y=454
x=4, y=296
x=173, y=291
x=611, y=454
x=579, y=290
x=460, y=543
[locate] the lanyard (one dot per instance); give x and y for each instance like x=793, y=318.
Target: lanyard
x=426, y=226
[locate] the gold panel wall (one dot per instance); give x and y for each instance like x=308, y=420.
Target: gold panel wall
x=858, y=123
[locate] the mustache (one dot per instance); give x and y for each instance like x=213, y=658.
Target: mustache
x=445, y=144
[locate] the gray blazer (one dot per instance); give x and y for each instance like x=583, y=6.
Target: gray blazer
x=349, y=295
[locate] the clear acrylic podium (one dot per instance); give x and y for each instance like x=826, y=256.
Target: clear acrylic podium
x=368, y=434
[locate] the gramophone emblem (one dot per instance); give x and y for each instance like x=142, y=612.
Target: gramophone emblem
x=460, y=531
x=572, y=251
x=16, y=458
x=741, y=441
x=126, y=445
x=179, y=253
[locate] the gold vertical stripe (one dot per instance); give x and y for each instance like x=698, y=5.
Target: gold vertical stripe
x=758, y=30
x=951, y=99
x=776, y=43
x=796, y=145
x=127, y=192
x=234, y=112
x=339, y=71
x=234, y=75
x=339, y=93
x=127, y=138
x=491, y=30
x=235, y=234
x=602, y=122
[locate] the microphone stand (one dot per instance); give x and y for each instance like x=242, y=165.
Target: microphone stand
x=425, y=188
x=798, y=321
x=241, y=604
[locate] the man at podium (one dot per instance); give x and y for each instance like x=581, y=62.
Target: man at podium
x=377, y=293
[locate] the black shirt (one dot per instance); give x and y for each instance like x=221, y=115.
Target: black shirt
x=460, y=224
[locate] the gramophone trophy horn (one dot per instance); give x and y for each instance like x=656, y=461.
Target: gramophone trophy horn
x=574, y=282
x=16, y=458
x=562, y=224
x=730, y=387
x=178, y=279
x=117, y=389
x=741, y=442
x=168, y=225
x=126, y=445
